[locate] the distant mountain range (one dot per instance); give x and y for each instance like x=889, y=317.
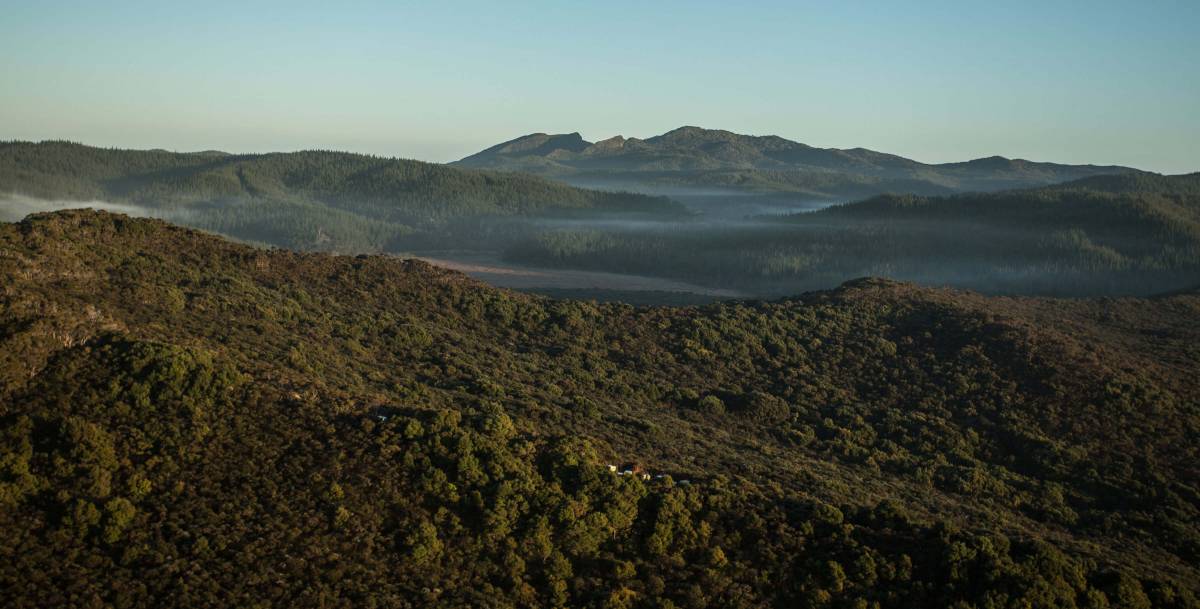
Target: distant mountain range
x=696, y=158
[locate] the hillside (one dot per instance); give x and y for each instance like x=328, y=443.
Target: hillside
x=1131, y=234
x=691, y=157
x=192, y=422
x=1101, y=200
x=309, y=200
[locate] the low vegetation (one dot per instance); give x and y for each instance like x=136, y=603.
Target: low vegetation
x=187, y=421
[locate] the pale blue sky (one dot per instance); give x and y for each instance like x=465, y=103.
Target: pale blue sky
x=1098, y=82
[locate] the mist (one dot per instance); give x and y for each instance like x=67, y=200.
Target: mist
x=15, y=207
x=735, y=247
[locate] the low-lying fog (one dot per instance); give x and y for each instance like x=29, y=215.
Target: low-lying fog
x=742, y=250
x=14, y=207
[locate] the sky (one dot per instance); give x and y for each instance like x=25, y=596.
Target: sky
x=1075, y=82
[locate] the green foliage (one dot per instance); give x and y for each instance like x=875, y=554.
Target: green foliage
x=711, y=404
x=16, y=449
x=118, y=514
x=277, y=440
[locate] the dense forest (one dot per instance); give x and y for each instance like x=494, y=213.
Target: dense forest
x=188, y=421
x=1131, y=234
x=317, y=199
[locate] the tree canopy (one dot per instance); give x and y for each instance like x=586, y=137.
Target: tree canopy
x=187, y=421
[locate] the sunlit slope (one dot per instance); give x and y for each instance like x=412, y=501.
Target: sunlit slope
x=283, y=428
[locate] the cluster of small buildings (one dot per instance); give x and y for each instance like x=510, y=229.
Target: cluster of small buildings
x=633, y=469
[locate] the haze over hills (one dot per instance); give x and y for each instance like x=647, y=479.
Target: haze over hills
x=692, y=157
x=192, y=422
x=292, y=367
x=310, y=200
x=1127, y=234
x=1132, y=233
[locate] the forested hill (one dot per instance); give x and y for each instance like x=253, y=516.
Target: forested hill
x=190, y=422
x=1169, y=200
x=1131, y=234
x=1139, y=233
x=310, y=199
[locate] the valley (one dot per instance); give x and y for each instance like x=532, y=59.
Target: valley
x=492, y=269
x=599, y=305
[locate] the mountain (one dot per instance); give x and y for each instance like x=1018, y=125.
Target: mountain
x=691, y=157
x=187, y=421
x=312, y=199
x=539, y=144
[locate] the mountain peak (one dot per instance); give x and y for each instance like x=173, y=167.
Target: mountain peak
x=688, y=130
x=689, y=133
x=534, y=144
x=611, y=144
x=990, y=162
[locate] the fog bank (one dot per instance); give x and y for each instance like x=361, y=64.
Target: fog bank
x=14, y=207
